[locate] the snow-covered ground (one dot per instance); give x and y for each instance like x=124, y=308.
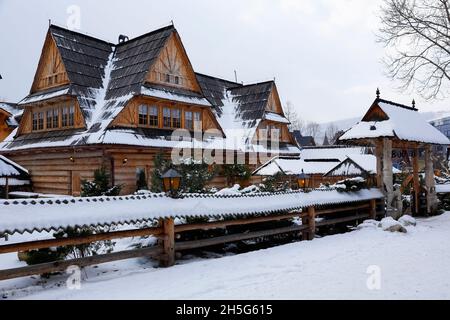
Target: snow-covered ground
x=408, y=266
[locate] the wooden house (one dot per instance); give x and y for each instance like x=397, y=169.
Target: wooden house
x=9, y=117
x=94, y=103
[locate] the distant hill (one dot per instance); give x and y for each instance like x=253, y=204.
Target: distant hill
x=348, y=123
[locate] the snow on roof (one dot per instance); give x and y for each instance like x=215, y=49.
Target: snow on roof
x=43, y=214
x=356, y=165
x=275, y=117
x=335, y=153
x=443, y=188
x=168, y=95
x=295, y=166
x=9, y=168
x=45, y=96
x=14, y=182
x=403, y=123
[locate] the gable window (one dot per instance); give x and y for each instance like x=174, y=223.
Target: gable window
x=166, y=118
x=55, y=118
x=176, y=118
x=68, y=115
x=153, y=116
x=52, y=120
x=188, y=120
x=35, y=121
x=197, y=121
x=143, y=115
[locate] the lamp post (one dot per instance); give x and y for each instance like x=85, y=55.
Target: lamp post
x=171, y=182
x=303, y=180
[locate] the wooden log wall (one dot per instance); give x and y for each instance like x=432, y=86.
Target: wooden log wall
x=60, y=171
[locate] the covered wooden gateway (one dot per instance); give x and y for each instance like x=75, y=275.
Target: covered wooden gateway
x=389, y=126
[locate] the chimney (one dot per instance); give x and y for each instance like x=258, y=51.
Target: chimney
x=123, y=38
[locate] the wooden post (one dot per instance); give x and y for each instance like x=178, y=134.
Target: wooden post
x=168, y=244
x=430, y=182
x=7, y=187
x=416, y=179
x=373, y=209
x=388, y=181
x=312, y=223
x=305, y=233
x=379, y=155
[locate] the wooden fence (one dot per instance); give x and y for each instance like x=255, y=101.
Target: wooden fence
x=167, y=232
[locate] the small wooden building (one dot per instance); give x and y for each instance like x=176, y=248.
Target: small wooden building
x=13, y=177
x=94, y=103
x=390, y=126
x=9, y=118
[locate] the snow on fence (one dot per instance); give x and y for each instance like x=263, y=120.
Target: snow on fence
x=19, y=216
x=38, y=215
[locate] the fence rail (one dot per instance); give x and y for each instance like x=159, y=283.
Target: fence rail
x=167, y=232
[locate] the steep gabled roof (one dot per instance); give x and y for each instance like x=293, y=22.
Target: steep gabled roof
x=214, y=89
x=252, y=100
x=396, y=121
x=84, y=57
x=13, y=111
x=133, y=60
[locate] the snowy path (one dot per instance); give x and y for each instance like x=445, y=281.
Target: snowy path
x=413, y=265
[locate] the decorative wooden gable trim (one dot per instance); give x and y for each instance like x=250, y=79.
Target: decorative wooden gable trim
x=51, y=71
x=173, y=68
x=274, y=102
x=375, y=113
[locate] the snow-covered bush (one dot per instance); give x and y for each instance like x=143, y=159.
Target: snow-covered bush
x=392, y=225
x=407, y=220
x=347, y=185
x=100, y=186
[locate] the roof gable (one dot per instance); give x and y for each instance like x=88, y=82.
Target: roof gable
x=172, y=67
x=386, y=119
x=51, y=71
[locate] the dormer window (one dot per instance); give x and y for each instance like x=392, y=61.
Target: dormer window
x=68, y=116
x=148, y=115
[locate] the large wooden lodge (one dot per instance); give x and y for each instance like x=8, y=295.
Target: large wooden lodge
x=94, y=103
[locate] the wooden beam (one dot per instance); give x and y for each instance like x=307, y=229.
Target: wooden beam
x=168, y=243
x=341, y=220
x=227, y=223
x=373, y=209
x=348, y=208
x=188, y=245
x=312, y=223
x=416, y=180
x=81, y=262
x=42, y=244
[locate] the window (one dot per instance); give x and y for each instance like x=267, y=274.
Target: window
x=188, y=121
x=68, y=113
x=49, y=119
x=166, y=118
x=197, y=121
x=52, y=118
x=40, y=121
x=143, y=115
x=71, y=116
x=176, y=118
x=153, y=116
x=177, y=79
x=35, y=121
x=168, y=78
x=56, y=118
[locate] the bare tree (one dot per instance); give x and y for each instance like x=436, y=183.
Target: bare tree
x=330, y=132
x=416, y=34
x=312, y=129
x=291, y=114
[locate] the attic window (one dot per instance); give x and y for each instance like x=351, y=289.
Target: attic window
x=169, y=78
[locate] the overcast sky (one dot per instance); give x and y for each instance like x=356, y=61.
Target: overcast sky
x=322, y=53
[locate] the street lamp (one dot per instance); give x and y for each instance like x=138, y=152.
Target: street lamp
x=303, y=180
x=171, y=182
